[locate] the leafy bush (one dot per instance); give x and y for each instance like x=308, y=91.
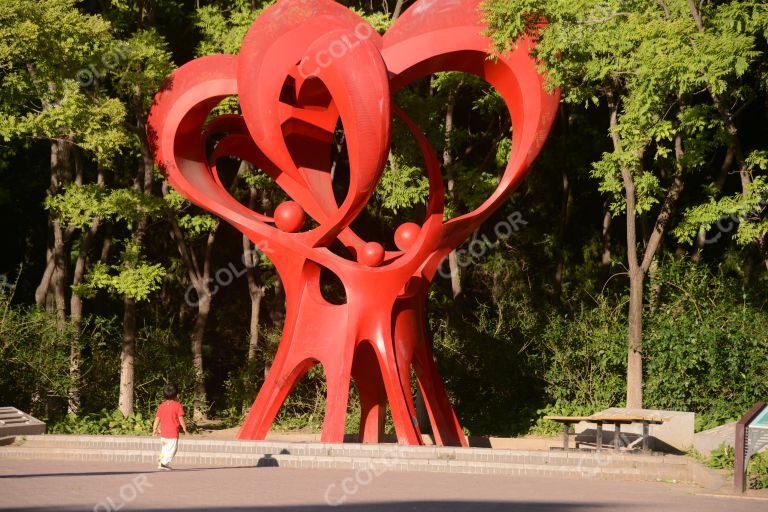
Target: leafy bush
x=585, y=356
x=721, y=457
x=758, y=471
x=703, y=344
x=701, y=338
x=162, y=356
x=244, y=383
x=489, y=352
x=305, y=406
x=35, y=362
x=104, y=422
x=34, y=357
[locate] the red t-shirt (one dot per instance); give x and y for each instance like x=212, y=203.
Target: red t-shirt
x=169, y=413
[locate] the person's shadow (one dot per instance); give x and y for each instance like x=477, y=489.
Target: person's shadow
x=268, y=461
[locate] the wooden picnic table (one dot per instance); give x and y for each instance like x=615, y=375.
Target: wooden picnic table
x=612, y=419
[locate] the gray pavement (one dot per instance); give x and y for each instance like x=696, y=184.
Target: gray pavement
x=63, y=486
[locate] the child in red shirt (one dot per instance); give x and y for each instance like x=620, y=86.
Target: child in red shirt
x=170, y=415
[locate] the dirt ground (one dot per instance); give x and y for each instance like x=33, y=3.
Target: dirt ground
x=213, y=430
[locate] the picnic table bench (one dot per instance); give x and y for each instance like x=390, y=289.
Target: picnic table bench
x=616, y=420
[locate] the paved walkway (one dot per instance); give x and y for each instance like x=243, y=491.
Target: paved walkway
x=48, y=486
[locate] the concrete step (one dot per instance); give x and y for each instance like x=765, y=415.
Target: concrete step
x=679, y=472
x=554, y=458
x=382, y=457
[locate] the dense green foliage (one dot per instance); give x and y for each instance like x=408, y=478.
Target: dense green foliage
x=103, y=423
x=536, y=321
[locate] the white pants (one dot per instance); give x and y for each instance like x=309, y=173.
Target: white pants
x=170, y=445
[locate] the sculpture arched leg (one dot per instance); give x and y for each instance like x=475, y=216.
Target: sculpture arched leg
x=445, y=424
x=338, y=379
x=414, y=350
x=373, y=396
x=400, y=398
x=280, y=381
x=303, y=345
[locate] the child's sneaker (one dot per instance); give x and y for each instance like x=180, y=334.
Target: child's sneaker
x=164, y=467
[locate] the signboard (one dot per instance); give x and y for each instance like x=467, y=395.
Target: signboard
x=761, y=421
x=751, y=437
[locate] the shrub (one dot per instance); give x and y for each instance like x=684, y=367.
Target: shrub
x=703, y=344
x=103, y=422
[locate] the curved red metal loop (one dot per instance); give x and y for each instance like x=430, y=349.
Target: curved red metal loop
x=304, y=67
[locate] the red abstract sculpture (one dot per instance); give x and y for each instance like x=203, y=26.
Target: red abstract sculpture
x=304, y=65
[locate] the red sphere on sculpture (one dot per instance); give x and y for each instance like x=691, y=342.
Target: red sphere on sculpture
x=371, y=255
x=289, y=216
x=406, y=234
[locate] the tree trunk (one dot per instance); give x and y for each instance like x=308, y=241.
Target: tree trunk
x=635, y=314
x=76, y=302
x=199, y=279
x=58, y=157
x=276, y=313
x=60, y=172
x=635, y=341
x=198, y=333
x=339, y=143
x=453, y=259
x=557, y=279
x=127, y=356
x=76, y=306
x=639, y=268
x=60, y=256
x=655, y=286
x=143, y=183
x=398, y=9
x=253, y=336
x=637, y=272
x=41, y=293
x=255, y=290
x=605, y=235
x=455, y=271
x=125, y=402
x=76, y=317
x=75, y=361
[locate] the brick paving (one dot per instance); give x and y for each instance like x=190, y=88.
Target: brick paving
x=36, y=485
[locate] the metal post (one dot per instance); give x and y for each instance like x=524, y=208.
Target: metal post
x=566, y=428
x=599, y=442
x=646, y=429
x=740, y=451
x=616, y=436
x=740, y=464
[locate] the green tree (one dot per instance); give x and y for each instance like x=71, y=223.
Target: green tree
x=645, y=62
x=51, y=54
